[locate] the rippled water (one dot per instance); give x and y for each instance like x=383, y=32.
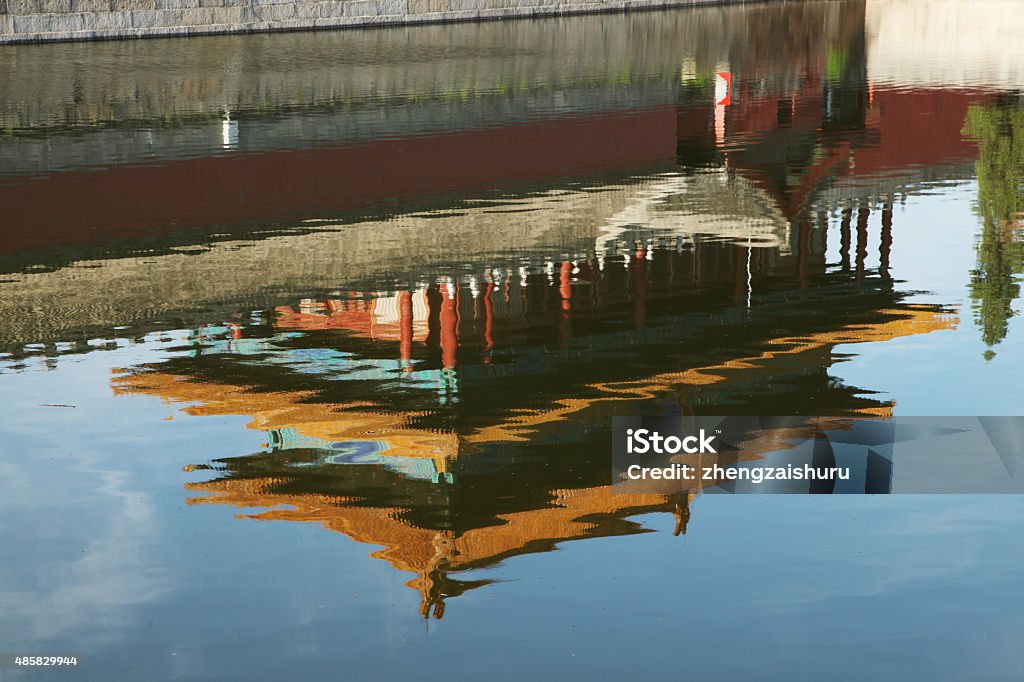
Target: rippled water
x=311, y=342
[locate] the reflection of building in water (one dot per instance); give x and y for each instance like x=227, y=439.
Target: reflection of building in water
x=464, y=275
x=820, y=134
x=463, y=422
x=226, y=276
x=849, y=128
x=437, y=555
x=424, y=530
x=367, y=430
x=558, y=167
x=706, y=205
x=460, y=419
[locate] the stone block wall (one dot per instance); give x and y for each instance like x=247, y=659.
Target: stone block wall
x=24, y=21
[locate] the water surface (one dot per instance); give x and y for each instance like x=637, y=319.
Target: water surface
x=311, y=343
